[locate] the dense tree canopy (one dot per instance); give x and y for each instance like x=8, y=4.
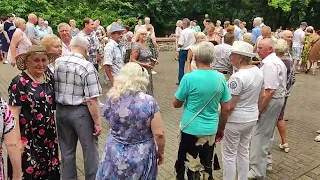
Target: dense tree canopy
x=165, y=13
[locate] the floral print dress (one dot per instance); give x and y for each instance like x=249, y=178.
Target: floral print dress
x=37, y=126
x=130, y=150
x=7, y=123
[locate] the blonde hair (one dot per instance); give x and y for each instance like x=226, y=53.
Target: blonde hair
x=199, y=34
x=132, y=78
x=179, y=23
x=210, y=26
x=1, y=28
x=281, y=47
x=247, y=37
x=48, y=40
x=72, y=21
x=139, y=31
x=19, y=21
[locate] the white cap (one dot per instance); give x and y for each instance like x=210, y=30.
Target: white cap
x=242, y=48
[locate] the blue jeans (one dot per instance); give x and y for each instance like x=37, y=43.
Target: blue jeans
x=182, y=61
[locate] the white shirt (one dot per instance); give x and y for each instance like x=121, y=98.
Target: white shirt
x=274, y=75
x=65, y=49
x=247, y=84
x=187, y=38
x=298, y=34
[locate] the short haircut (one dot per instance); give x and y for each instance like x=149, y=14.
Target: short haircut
x=281, y=47
x=72, y=21
x=229, y=38
x=127, y=27
x=19, y=21
x=236, y=22
x=226, y=23
x=257, y=21
x=85, y=21
x=79, y=41
x=270, y=42
x=310, y=29
x=62, y=25
x=186, y=21
x=204, y=52
x=48, y=40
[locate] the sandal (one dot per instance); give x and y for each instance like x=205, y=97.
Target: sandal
x=284, y=147
x=317, y=139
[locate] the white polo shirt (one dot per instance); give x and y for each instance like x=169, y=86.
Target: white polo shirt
x=247, y=84
x=275, y=75
x=187, y=38
x=298, y=34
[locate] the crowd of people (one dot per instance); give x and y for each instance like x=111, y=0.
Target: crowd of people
x=54, y=101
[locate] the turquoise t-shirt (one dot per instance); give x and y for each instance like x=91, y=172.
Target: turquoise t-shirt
x=195, y=90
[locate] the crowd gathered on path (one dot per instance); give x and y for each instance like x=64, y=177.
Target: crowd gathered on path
x=233, y=85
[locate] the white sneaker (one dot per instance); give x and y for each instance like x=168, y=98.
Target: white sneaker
x=5, y=62
x=317, y=139
x=252, y=175
x=153, y=72
x=284, y=147
x=269, y=167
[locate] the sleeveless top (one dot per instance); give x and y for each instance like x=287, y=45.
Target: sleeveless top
x=23, y=45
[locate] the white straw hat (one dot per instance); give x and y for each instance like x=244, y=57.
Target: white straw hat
x=242, y=48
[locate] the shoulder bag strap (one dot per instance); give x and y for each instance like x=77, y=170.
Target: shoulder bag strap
x=214, y=95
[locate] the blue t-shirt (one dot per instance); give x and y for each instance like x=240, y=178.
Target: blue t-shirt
x=256, y=32
x=195, y=90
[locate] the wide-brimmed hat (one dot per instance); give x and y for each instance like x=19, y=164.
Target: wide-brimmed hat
x=115, y=28
x=22, y=58
x=242, y=48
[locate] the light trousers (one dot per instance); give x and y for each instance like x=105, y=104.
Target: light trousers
x=235, y=150
x=262, y=137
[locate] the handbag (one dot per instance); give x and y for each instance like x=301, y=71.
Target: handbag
x=189, y=122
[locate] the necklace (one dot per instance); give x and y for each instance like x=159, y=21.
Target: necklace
x=44, y=77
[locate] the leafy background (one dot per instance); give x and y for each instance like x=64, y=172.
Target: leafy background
x=165, y=13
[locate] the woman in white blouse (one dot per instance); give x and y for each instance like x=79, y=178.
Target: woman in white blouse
x=246, y=89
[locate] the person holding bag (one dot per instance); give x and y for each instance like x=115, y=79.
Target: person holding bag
x=201, y=92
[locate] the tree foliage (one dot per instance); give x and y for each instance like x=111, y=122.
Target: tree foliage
x=165, y=13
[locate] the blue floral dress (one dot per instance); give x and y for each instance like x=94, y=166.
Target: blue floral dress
x=130, y=150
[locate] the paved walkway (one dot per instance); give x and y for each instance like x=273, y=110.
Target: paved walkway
x=303, y=160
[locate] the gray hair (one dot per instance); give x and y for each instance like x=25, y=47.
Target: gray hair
x=218, y=22
x=204, y=52
x=62, y=25
x=186, y=21
x=270, y=42
x=79, y=41
x=46, y=22
x=257, y=21
x=236, y=22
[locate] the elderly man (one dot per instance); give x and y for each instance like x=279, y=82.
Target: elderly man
x=237, y=30
x=114, y=53
x=48, y=28
x=275, y=79
x=77, y=89
x=186, y=39
x=88, y=28
x=222, y=54
x=256, y=31
x=287, y=36
x=31, y=30
x=297, y=45
x=147, y=22
x=265, y=33
x=64, y=30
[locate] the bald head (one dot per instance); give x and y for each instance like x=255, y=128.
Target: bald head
x=32, y=18
x=266, y=32
x=265, y=47
x=287, y=36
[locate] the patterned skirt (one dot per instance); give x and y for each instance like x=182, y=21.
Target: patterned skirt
x=195, y=156
x=150, y=85
x=128, y=161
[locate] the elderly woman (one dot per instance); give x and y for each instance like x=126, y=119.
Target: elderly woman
x=74, y=29
x=191, y=64
x=247, y=37
x=177, y=35
x=9, y=136
x=31, y=100
x=218, y=31
x=201, y=92
x=20, y=43
x=101, y=34
x=41, y=28
x=136, y=139
x=246, y=89
x=152, y=43
x=53, y=44
x=281, y=48
x=143, y=56
x=6, y=36
x=310, y=37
